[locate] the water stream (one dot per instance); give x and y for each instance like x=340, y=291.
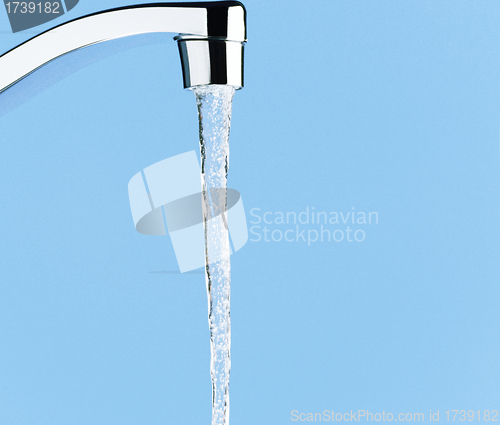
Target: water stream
x=214, y=112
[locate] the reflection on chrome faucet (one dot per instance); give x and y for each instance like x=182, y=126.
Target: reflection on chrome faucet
x=210, y=36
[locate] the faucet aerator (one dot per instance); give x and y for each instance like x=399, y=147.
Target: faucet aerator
x=211, y=61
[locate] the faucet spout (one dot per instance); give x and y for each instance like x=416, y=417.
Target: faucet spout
x=210, y=36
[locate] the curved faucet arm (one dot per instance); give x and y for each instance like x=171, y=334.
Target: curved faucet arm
x=211, y=37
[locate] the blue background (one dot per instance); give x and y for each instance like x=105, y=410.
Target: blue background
x=384, y=106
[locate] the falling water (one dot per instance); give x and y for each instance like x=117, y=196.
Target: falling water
x=214, y=113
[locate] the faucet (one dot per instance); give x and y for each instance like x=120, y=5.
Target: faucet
x=210, y=37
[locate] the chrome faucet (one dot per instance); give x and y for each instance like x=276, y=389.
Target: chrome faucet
x=210, y=37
